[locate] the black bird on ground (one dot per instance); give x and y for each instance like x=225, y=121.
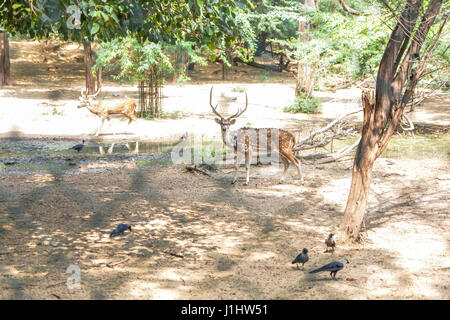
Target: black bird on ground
x=78, y=147
x=120, y=229
x=330, y=242
x=301, y=258
x=333, y=267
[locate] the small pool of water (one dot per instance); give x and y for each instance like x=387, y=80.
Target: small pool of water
x=40, y=156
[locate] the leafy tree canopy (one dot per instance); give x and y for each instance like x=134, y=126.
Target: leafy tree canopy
x=154, y=20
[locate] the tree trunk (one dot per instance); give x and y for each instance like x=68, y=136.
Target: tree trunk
x=304, y=72
x=362, y=168
x=92, y=84
x=226, y=69
x=383, y=111
x=4, y=60
x=181, y=63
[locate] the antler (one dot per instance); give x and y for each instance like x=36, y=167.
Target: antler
x=212, y=107
x=85, y=96
x=237, y=114
x=95, y=94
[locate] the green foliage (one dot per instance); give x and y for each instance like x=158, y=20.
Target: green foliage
x=339, y=42
x=177, y=114
x=154, y=20
x=275, y=19
x=132, y=59
x=304, y=104
x=239, y=89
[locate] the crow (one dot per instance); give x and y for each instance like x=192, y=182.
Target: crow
x=301, y=258
x=120, y=229
x=333, y=267
x=78, y=147
x=330, y=242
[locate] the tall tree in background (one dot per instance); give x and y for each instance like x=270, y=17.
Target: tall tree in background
x=305, y=80
x=402, y=66
x=92, y=83
x=4, y=59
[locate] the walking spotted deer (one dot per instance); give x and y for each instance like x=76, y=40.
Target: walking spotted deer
x=104, y=110
x=247, y=141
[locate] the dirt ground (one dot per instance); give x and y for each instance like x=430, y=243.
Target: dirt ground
x=199, y=237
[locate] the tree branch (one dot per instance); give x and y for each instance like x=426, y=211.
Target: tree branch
x=298, y=145
x=353, y=11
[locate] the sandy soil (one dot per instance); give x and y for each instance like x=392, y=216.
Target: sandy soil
x=199, y=237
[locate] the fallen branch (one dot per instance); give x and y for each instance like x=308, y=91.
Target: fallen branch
x=111, y=265
x=409, y=123
x=320, y=158
x=174, y=254
x=338, y=155
x=299, y=145
x=196, y=168
x=268, y=67
x=353, y=11
x=56, y=284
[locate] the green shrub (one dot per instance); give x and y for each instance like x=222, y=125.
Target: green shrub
x=238, y=89
x=304, y=104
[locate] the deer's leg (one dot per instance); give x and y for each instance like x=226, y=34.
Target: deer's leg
x=290, y=155
x=286, y=166
x=111, y=148
x=237, y=161
x=100, y=126
x=248, y=162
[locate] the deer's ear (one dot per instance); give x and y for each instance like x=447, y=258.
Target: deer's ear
x=217, y=120
x=233, y=121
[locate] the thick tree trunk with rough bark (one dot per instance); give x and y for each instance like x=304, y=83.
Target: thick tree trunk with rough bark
x=362, y=168
x=384, y=110
x=4, y=60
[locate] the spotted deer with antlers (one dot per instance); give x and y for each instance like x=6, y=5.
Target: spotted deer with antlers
x=246, y=141
x=105, y=110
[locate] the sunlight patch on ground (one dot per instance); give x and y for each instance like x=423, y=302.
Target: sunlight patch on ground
x=413, y=250
x=145, y=289
x=225, y=244
x=180, y=276
x=312, y=228
x=255, y=256
x=335, y=191
x=156, y=224
x=281, y=190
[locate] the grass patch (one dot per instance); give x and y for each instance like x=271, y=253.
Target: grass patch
x=304, y=104
x=239, y=89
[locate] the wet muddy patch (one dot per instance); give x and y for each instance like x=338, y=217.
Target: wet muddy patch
x=40, y=156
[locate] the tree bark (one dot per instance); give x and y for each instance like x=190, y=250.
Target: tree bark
x=362, y=168
x=383, y=111
x=304, y=82
x=5, y=78
x=89, y=61
x=226, y=69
